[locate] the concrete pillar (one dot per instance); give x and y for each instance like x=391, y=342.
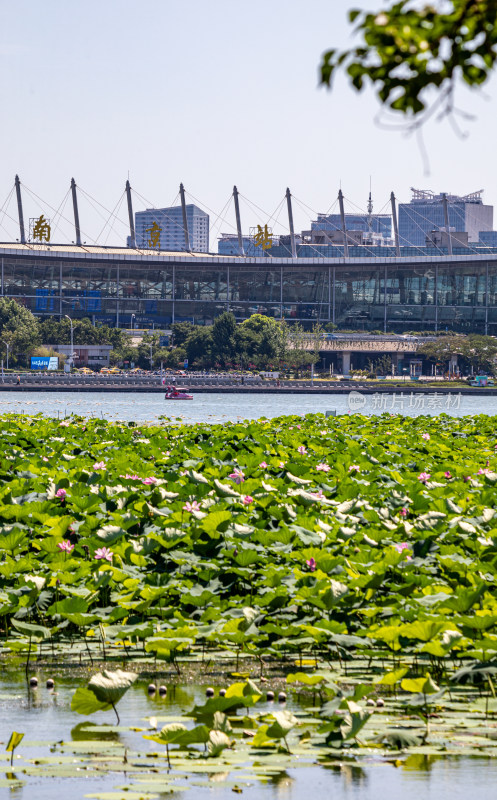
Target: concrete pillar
x=453, y=365
x=346, y=364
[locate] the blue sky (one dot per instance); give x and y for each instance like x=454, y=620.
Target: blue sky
x=211, y=94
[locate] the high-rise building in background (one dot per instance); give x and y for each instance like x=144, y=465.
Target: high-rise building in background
x=425, y=213
x=162, y=229
x=367, y=223
x=368, y=229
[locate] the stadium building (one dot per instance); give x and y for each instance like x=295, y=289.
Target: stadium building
x=387, y=292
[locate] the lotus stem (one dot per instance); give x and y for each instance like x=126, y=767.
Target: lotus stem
x=117, y=715
x=27, y=660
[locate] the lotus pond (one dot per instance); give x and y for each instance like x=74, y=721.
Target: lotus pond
x=347, y=563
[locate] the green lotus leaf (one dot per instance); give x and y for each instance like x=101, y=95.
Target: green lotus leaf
x=284, y=722
x=400, y=738
x=218, y=741
x=177, y=733
x=224, y=490
x=305, y=678
x=109, y=687
x=391, y=678
x=36, y=632
x=110, y=533
x=353, y=723
x=84, y=701
x=296, y=479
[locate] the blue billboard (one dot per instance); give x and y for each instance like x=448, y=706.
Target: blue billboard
x=44, y=362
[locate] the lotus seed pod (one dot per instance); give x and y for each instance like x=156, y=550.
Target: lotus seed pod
x=33, y=681
x=163, y=690
x=50, y=683
x=380, y=702
x=270, y=696
x=282, y=697
x=209, y=692
x=222, y=692
x=151, y=688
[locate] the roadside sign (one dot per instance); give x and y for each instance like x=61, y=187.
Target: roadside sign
x=186, y=363
x=44, y=362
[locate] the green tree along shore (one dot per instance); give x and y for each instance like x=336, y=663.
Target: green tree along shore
x=257, y=343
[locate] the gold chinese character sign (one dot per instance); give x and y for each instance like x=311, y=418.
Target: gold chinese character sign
x=154, y=238
x=39, y=229
x=263, y=237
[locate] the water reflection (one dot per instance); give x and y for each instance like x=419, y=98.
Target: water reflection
x=352, y=774
x=282, y=783
x=90, y=731
x=420, y=762
x=15, y=788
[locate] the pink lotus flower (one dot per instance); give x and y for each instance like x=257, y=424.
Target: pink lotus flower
x=263, y=465
x=66, y=546
x=483, y=471
x=424, y=476
x=150, y=481
x=281, y=464
x=311, y=564
x=323, y=467
x=318, y=495
x=247, y=500
x=238, y=476
x=354, y=468
x=301, y=450
x=191, y=506
x=403, y=512
x=448, y=475
x=44, y=458
x=401, y=547
x=99, y=465
x=425, y=436
x=61, y=493
x=299, y=427
x=104, y=553
x=64, y=424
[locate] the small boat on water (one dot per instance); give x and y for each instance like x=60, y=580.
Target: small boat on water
x=177, y=393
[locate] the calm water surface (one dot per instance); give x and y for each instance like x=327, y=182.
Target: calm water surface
x=221, y=407
x=46, y=720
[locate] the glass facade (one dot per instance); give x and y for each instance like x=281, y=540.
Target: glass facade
x=369, y=294
x=418, y=218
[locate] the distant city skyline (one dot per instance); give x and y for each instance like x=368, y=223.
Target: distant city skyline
x=210, y=95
